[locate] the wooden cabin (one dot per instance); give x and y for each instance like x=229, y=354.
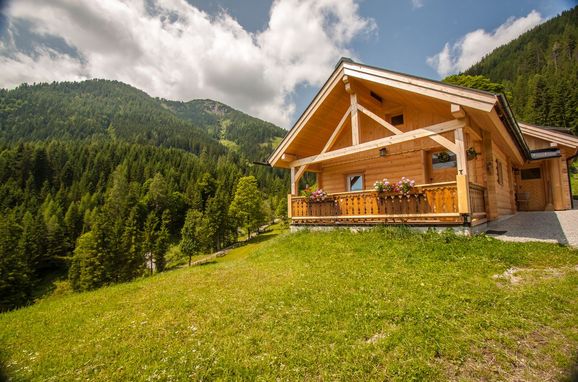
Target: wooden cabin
x=468, y=158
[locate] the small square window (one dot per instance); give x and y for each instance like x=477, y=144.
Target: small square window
x=355, y=182
x=443, y=159
x=397, y=120
x=531, y=173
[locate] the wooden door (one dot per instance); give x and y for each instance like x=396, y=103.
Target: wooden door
x=531, y=195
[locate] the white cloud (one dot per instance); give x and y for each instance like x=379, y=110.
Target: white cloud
x=171, y=49
x=415, y=4
x=472, y=47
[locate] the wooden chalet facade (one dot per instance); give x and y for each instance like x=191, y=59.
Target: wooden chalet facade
x=469, y=158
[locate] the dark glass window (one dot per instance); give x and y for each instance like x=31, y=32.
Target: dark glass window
x=443, y=159
x=397, y=120
x=531, y=173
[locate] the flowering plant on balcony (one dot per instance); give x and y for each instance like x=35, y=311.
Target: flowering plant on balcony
x=314, y=195
x=383, y=186
x=405, y=185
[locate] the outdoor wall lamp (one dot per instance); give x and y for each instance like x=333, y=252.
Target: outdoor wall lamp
x=382, y=152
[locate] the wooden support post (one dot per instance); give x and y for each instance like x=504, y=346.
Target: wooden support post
x=354, y=114
x=461, y=157
x=556, y=183
x=463, y=194
x=457, y=111
x=296, y=175
x=294, y=185
x=491, y=180
x=288, y=157
x=289, y=206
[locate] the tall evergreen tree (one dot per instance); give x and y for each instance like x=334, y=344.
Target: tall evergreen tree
x=246, y=207
x=191, y=243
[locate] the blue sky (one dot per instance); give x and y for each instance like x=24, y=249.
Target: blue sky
x=263, y=57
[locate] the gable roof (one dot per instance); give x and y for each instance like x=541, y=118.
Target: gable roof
x=561, y=136
x=472, y=98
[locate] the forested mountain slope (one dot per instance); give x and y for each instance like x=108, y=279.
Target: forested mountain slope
x=97, y=180
x=540, y=70
x=253, y=137
x=96, y=108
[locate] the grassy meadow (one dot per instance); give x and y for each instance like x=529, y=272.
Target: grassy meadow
x=386, y=304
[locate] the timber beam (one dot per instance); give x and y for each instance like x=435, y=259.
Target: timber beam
x=429, y=131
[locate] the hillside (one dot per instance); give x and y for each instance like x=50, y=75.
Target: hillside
x=96, y=175
x=112, y=109
x=252, y=136
x=540, y=70
x=380, y=305
x=96, y=109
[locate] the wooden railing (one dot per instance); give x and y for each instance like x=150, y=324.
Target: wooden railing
x=477, y=201
x=426, y=203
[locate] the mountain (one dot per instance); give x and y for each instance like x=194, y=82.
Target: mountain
x=112, y=109
x=96, y=109
x=97, y=175
x=540, y=70
x=252, y=136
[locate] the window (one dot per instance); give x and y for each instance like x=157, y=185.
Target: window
x=355, y=182
x=531, y=173
x=443, y=159
x=500, y=172
x=397, y=120
x=376, y=96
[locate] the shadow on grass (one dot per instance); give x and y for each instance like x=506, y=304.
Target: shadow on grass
x=267, y=235
x=3, y=372
x=573, y=371
x=209, y=262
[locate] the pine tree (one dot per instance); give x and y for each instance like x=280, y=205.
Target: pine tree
x=149, y=239
x=86, y=271
x=15, y=286
x=132, y=247
x=190, y=242
x=162, y=243
x=246, y=209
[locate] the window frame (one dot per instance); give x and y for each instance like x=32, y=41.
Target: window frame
x=532, y=172
x=348, y=182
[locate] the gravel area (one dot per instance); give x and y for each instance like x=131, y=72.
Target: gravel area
x=549, y=226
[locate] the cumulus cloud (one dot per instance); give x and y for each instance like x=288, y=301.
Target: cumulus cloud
x=171, y=49
x=469, y=49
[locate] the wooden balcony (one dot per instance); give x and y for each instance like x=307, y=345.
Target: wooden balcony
x=427, y=204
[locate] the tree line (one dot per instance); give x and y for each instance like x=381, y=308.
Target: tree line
x=539, y=72
x=103, y=211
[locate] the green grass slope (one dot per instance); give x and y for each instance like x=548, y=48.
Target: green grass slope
x=379, y=305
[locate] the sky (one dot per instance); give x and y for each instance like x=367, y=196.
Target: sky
x=267, y=58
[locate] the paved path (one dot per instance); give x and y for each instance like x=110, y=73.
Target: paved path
x=550, y=226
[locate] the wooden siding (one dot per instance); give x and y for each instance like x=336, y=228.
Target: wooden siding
x=374, y=168
x=504, y=191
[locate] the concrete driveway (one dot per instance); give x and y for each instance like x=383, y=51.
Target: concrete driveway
x=549, y=226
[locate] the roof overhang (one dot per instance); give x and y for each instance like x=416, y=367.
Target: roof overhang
x=470, y=98
x=551, y=135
